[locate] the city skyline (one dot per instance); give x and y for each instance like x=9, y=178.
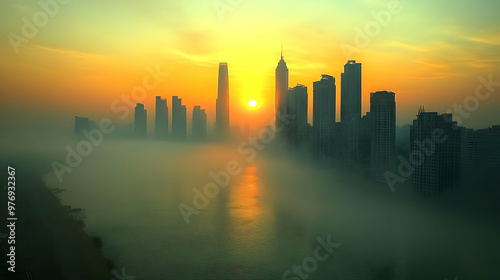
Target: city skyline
x=353, y=96
x=423, y=69
x=233, y=139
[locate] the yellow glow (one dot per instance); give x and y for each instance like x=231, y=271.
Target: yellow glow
x=252, y=103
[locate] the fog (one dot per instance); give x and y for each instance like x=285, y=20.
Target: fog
x=266, y=220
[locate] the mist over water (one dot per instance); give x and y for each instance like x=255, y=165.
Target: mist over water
x=268, y=218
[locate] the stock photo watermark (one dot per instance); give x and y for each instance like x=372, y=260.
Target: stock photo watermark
x=417, y=157
x=225, y=6
x=40, y=19
x=221, y=179
x=483, y=91
x=95, y=137
x=121, y=276
x=363, y=37
x=427, y=147
x=310, y=264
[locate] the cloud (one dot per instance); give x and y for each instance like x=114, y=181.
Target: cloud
x=200, y=60
x=431, y=63
x=485, y=40
x=405, y=46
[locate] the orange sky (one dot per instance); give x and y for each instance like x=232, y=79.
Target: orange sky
x=89, y=54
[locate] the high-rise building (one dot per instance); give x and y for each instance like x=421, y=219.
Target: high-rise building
x=324, y=95
x=350, y=92
x=435, y=153
x=222, y=103
x=486, y=148
x=161, y=119
x=92, y=124
x=350, y=114
x=179, y=123
x=199, y=123
x=281, y=90
x=81, y=124
x=383, y=136
x=140, y=121
x=296, y=107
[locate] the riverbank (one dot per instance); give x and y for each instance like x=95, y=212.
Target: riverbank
x=49, y=243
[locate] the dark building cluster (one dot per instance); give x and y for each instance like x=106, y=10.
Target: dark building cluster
x=139, y=128
x=369, y=145
x=83, y=124
x=434, y=152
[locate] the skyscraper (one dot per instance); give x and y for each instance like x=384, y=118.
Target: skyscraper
x=383, y=136
x=350, y=92
x=436, y=163
x=281, y=84
x=81, y=124
x=140, y=122
x=296, y=106
x=199, y=123
x=486, y=148
x=178, y=119
x=324, y=95
x=350, y=113
x=222, y=103
x=161, y=119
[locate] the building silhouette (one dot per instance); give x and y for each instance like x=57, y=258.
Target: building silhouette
x=350, y=92
x=324, y=96
x=296, y=106
x=222, y=103
x=350, y=115
x=480, y=161
x=179, y=123
x=281, y=90
x=436, y=163
x=91, y=124
x=486, y=148
x=81, y=124
x=140, y=122
x=383, y=136
x=199, y=123
x=364, y=143
x=161, y=119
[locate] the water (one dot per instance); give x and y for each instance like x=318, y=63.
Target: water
x=266, y=220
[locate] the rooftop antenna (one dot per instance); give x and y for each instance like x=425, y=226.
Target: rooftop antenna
x=281, y=51
x=421, y=109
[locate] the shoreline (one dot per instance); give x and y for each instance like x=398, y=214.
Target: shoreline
x=50, y=244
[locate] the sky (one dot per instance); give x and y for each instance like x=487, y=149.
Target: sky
x=84, y=55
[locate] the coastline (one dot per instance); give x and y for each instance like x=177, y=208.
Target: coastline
x=49, y=243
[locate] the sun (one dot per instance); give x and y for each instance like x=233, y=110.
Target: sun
x=252, y=103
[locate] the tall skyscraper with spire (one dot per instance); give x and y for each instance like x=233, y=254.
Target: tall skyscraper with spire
x=281, y=82
x=222, y=103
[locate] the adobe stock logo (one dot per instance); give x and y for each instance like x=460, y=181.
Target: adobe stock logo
x=121, y=276
x=310, y=264
x=373, y=28
x=222, y=179
x=49, y=9
x=94, y=137
x=222, y=7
